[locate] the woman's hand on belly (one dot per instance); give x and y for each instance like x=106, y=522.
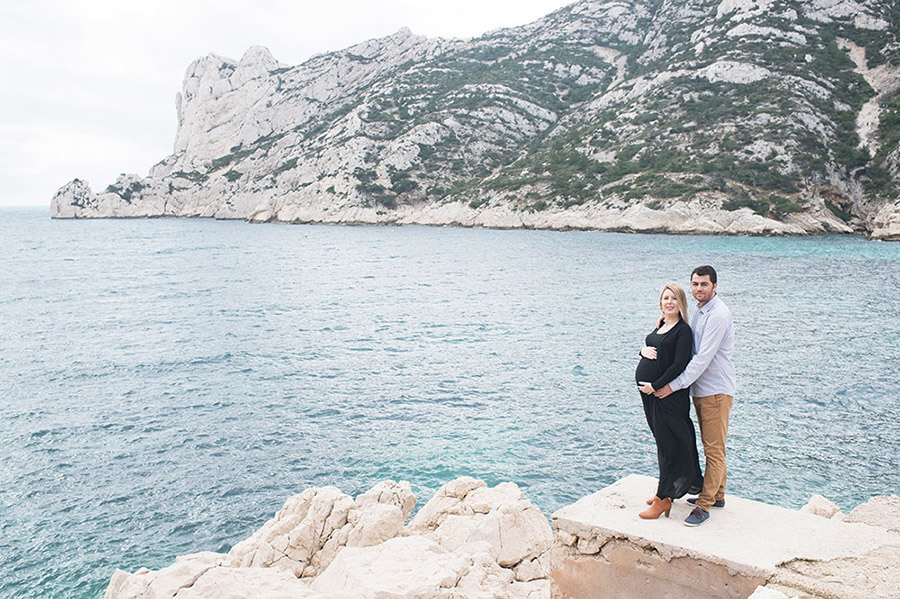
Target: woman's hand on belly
x=649, y=352
x=645, y=388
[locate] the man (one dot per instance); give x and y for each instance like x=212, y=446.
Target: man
x=710, y=375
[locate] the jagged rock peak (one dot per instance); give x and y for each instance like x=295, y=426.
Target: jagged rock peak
x=258, y=55
x=402, y=33
x=255, y=58
x=402, y=39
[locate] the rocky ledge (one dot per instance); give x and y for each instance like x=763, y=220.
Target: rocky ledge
x=474, y=542
x=748, y=549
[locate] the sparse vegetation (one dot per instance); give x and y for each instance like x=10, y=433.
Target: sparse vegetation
x=774, y=206
x=402, y=183
x=238, y=153
x=128, y=192
x=287, y=165
x=192, y=176
x=538, y=125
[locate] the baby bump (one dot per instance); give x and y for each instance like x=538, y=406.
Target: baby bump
x=647, y=370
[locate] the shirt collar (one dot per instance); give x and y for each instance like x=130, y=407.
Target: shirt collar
x=709, y=305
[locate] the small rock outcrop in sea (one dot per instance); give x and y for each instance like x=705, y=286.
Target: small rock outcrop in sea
x=468, y=541
x=706, y=116
x=819, y=506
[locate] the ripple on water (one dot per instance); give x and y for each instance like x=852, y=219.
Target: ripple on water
x=168, y=401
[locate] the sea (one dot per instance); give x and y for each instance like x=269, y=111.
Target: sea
x=168, y=383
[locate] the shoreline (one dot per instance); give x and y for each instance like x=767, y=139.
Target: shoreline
x=471, y=541
x=702, y=214
x=625, y=231
x=679, y=220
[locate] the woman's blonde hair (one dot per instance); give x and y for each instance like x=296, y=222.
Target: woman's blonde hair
x=680, y=298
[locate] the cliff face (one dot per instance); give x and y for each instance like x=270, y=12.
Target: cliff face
x=759, y=116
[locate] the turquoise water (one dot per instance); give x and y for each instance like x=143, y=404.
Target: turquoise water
x=167, y=384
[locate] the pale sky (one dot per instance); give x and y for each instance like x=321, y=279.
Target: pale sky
x=88, y=86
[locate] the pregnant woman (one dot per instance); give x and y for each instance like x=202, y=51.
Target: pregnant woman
x=667, y=352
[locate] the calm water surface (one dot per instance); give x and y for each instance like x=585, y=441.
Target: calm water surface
x=167, y=384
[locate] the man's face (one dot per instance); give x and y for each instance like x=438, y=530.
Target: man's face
x=702, y=288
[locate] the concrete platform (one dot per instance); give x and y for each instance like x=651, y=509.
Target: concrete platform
x=605, y=550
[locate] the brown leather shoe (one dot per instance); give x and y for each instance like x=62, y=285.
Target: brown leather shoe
x=659, y=506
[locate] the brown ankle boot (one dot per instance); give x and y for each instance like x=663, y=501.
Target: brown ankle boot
x=659, y=506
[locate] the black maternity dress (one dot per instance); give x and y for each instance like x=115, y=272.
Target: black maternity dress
x=670, y=418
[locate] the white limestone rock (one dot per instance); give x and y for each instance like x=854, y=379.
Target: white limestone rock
x=416, y=567
x=130, y=196
x=771, y=33
x=590, y=544
x=241, y=583
x=410, y=567
x=864, y=21
x=398, y=494
x=297, y=533
x=484, y=578
x=165, y=583
x=300, y=541
x=565, y=538
x=533, y=569
x=201, y=576
x=536, y=589
x=886, y=223
x=882, y=511
x=71, y=197
x=827, y=11
x=762, y=592
x=443, y=503
x=738, y=10
x=309, y=531
x=819, y=506
x=374, y=525
x=466, y=512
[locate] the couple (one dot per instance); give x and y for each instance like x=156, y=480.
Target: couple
x=677, y=357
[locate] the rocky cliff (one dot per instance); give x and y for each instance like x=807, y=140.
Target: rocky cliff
x=719, y=116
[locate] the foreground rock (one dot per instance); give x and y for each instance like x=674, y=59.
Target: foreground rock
x=468, y=541
x=604, y=550
x=474, y=542
x=205, y=576
x=708, y=116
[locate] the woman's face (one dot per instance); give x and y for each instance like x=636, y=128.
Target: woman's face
x=668, y=303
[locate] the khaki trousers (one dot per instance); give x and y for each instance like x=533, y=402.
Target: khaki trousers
x=712, y=415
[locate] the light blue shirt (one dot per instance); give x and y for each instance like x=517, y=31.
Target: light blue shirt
x=710, y=371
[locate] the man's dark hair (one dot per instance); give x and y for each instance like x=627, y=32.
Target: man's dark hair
x=704, y=271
